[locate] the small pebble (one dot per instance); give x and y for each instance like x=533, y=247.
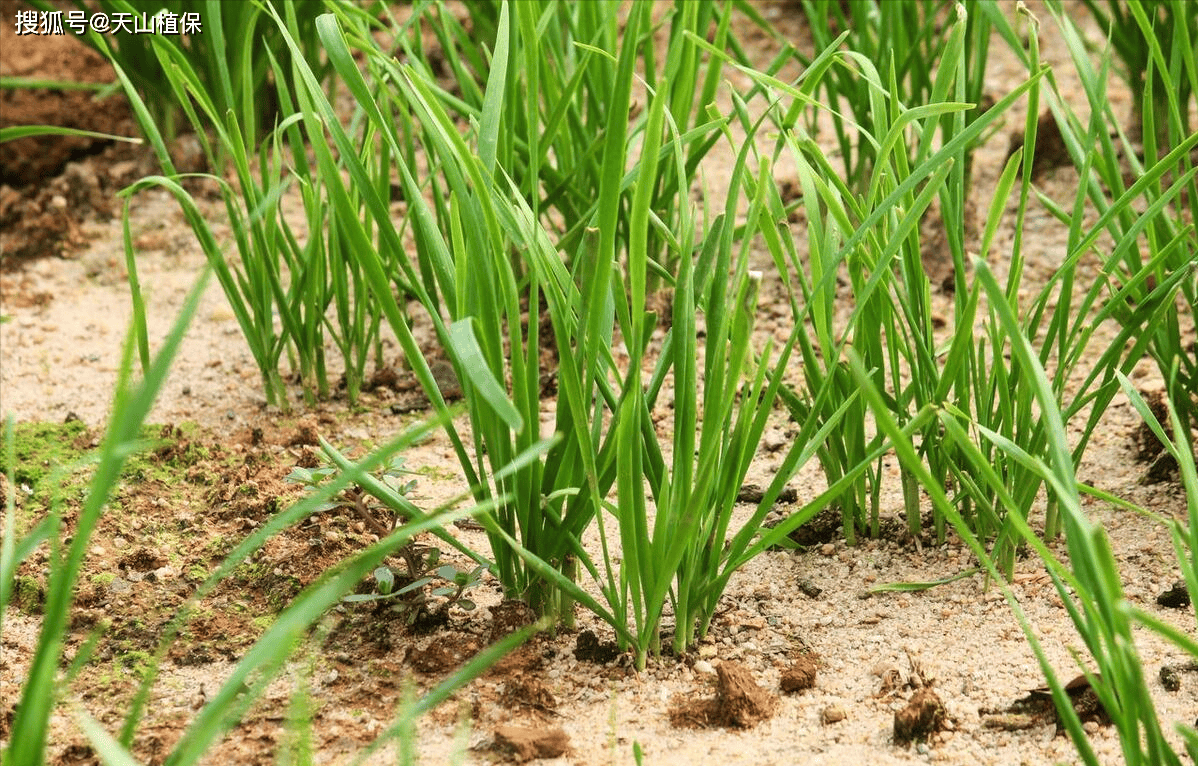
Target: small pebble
x=703, y=666
x=832, y=713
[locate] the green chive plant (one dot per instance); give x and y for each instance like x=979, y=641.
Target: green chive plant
x=1089, y=587
x=1017, y=424
x=1139, y=32
x=1164, y=179
x=674, y=554
x=291, y=290
x=872, y=242
x=1063, y=316
x=225, y=54
x=555, y=108
x=1185, y=544
x=897, y=51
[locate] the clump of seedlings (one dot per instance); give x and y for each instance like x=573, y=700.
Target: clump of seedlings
x=424, y=592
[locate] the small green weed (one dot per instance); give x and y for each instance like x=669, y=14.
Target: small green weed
x=424, y=593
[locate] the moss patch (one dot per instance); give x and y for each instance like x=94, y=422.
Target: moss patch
x=43, y=451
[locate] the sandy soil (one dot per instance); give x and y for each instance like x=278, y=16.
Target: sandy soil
x=64, y=321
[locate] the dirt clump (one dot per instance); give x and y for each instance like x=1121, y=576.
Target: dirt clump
x=1176, y=597
x=800, y=675
x=923, y=716
x=588, y=648
x=527, y=692
x=1050, y=150
x=738, y=703
x=508, y=617
x=444, y=653
x=1037, y=708
x=522, y=743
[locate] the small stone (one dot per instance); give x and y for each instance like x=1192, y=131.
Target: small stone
x=827, y=549
x=832, y=714
x=773, y=441
x=704, y=667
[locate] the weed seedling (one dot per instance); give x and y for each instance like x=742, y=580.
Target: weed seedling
x=425, y=592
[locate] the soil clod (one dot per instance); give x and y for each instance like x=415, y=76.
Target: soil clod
x=528, y=692
x=754, y=493
x=443, y=654
x=1177, y=597
x=1037, y=707
x=305, y=435
x=923, y=716
x=588, y=648
x=524, y=744
x=1170, y=678
x=508, y=617
x=739, y=702
x=1050, y=149
x=800, y=675
x=742, y=703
